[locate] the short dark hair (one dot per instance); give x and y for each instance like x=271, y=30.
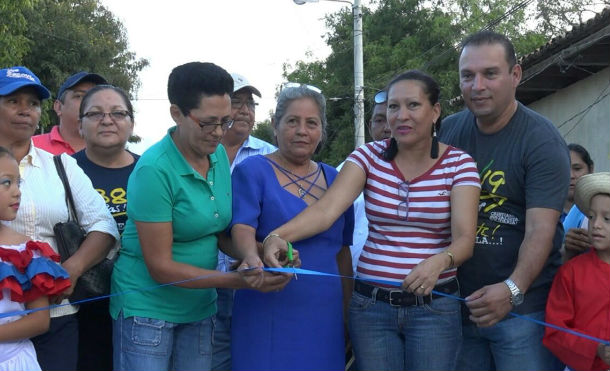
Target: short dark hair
x=490, y=37
x=98, y=88
x=187, y=84
x=583, y=153
x=432, y=91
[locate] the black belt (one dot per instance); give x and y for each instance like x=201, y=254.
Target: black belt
x=400, y=298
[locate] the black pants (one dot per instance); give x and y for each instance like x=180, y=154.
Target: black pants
x=95, y=334
x=57, y=348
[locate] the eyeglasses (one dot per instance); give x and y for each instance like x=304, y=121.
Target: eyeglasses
x=381, y=97
x=208, y=127
x=238, y=104
x=298, y=85
x=402, y=210
x=99, y=115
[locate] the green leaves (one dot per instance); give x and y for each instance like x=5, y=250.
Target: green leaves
x=13, y=42
x=57, y=38
x=421, y=34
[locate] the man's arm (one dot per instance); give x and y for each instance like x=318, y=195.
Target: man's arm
x=540, y=226
x=490, y=304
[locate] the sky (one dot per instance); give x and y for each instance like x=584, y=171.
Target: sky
x=254, y=38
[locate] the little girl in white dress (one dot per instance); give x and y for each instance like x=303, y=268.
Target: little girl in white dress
x=29, y=273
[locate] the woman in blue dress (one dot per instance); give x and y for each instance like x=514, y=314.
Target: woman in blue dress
x=300, y=327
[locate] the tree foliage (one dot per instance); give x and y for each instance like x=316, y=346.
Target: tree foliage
x=57, y=38
x=421, y=34
x=555, y=17
x=264, y=131
x=13, y=43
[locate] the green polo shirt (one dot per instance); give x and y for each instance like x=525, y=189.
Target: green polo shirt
x=163, y=187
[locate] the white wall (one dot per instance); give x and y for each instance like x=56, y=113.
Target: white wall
x=589, y=127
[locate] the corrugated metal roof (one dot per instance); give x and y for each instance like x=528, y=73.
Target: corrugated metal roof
x=578, y=32
x=578, y=54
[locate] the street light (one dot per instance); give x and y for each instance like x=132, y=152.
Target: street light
x=358, y=68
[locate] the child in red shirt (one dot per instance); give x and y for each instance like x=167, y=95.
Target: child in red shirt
x=580, y=296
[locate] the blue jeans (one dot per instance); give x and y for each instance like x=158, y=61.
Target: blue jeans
x=511, y=344
x=149, y=344
x=423, y=337
x=221, y=356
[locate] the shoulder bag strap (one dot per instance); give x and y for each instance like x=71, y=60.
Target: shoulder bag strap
x=64, y=179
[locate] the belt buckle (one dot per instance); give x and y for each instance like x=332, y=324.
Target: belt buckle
x=398, y=299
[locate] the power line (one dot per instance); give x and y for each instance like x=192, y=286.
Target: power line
x=53, y=36
x=569, y=51
x=489, y=26
x=583, y=113
x=381, y=79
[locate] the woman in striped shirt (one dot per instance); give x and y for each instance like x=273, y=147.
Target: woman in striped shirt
x=421, y=203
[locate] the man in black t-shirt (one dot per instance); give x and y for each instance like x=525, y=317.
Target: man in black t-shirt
x=524, y=167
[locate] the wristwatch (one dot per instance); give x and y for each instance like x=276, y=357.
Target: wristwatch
x=516, y=296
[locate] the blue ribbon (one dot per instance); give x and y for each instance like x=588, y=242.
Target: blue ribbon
x=396, y=284
x=301, y=272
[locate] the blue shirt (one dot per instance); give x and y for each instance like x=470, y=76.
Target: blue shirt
x=573, y=219
x=250, y=147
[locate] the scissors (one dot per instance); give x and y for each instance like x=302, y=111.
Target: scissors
x=291, y=259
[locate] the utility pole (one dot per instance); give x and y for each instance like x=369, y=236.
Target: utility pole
x=358, y=68
x=358, y=76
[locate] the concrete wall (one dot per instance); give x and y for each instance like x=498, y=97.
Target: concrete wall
x=578, y=119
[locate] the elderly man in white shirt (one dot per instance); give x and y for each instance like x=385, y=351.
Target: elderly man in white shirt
x=239, y=145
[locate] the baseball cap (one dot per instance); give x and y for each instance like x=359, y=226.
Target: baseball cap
x=240, y=82
x=588, y=186
x=80, y=77
x=17, y=77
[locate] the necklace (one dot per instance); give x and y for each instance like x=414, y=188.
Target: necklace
x=302, y=191
x=295, y=179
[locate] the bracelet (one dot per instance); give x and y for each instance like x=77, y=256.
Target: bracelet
x=269, y=236
x=452, y=263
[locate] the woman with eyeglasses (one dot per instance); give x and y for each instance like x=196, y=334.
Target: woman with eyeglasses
x=300, y=327
x=43, y=204
x=106, y=123
x=421, y=199
x=179, y=205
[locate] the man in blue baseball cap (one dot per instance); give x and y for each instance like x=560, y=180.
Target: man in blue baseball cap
x=15, y=78
x=66, y=137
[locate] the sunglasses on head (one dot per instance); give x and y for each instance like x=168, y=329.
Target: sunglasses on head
x=298, y=85
x=381, y=97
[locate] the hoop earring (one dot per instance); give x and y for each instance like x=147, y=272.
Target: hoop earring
x=434, y=148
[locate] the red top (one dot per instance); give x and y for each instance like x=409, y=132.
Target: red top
x=53, y=142
x=30, y=270
x=579, y=300
x=408, y=221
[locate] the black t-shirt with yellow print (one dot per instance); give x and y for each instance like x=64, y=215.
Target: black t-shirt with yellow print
x=524, y=165
x=110, y=183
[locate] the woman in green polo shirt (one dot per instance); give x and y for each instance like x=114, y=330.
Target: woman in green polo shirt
x=179, y=201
